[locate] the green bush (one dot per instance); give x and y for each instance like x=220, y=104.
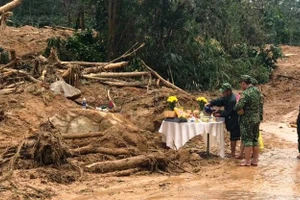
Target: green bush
x=82, y=46
x=4, y=57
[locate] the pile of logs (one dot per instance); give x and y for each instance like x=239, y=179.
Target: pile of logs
x=39, y=69
x=47, y=146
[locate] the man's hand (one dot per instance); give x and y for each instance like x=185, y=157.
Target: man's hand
x=217, y=114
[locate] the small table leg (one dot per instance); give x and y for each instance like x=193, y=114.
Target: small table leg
x=207, y=146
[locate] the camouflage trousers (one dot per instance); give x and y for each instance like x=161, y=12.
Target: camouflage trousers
x=249, y=133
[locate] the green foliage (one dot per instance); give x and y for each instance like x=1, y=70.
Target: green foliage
x=83, y=46
x=4, y=57
x=196, y=44
x=257, y=62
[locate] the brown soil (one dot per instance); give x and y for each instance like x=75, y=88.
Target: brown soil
x=28, y=39
x=141, y=115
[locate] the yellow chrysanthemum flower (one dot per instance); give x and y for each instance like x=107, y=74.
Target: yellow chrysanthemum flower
x=202, y=99
x=172, y=99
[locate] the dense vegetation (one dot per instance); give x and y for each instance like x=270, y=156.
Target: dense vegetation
x=197, y=44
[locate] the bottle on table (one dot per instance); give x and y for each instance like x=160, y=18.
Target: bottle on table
x=84, y=104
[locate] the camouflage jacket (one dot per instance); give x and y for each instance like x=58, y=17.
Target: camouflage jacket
x=251, y=102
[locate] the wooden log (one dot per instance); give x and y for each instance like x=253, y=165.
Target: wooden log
x=108, y=66
x=9, y=6
x=83, y=135
x=15, y=84
x=116, y=82
x=22, y=73
x=100, y=79
x=127, y=163
x=125, y=84
x=119, y=74
x=84, y=63
x=7, y=91
x=7, y=74
x=109, y=151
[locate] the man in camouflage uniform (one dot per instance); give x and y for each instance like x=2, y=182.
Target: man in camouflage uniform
x=249, y=108
x=228, y=100
x=254, y=83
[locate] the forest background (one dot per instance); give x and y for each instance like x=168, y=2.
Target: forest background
x=195, y=44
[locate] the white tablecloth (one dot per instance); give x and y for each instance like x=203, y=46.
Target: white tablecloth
x=177, y=134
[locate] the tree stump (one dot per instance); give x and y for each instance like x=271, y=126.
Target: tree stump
x=49, y=147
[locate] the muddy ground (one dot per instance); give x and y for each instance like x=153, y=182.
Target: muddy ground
x=276, y=177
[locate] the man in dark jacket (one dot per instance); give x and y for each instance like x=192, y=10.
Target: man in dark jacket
x=228, y=100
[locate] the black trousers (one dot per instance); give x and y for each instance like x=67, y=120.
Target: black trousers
x=298, y=131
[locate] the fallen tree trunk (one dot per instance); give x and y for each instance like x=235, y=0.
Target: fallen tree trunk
x=83, y=135
x=100, y=79
x=125, y=84
x=118, y=83
x=109, y=151
x=109, y=66
x=84, y=63
x=7, y=91
x=119, y=74
x=9, y=6
x=128, y=163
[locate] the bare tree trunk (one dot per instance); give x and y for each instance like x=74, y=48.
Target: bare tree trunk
x=9, y=6
x=112, y=12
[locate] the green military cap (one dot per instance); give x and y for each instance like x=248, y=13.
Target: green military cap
x=254, y=81
x=225, y=87
x=246, y=78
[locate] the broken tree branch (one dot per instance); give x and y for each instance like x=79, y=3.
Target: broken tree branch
x=22, y=73
x=9, y=6
x=129, y=52
x=111, y=100
x=165, y=82
x=12, y=163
